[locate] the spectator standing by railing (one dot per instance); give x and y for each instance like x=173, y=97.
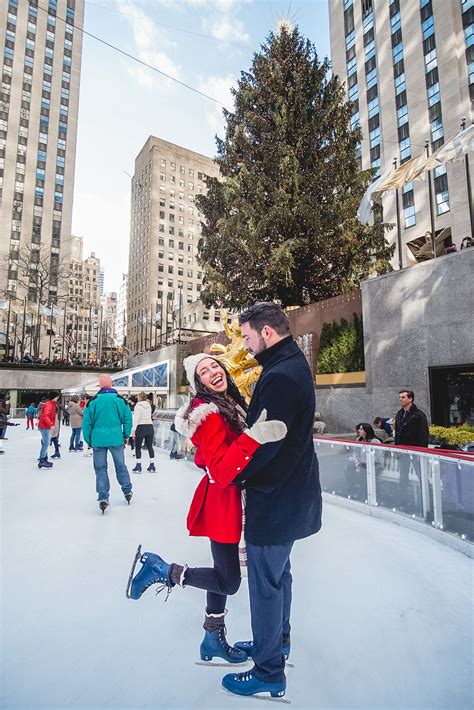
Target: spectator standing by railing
x=411, y=429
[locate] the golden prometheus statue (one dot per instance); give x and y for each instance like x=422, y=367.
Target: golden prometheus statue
x=243, y=368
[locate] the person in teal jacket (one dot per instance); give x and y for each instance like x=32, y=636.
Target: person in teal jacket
x=106, y=426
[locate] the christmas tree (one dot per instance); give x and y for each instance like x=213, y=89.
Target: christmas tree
x=281, y=224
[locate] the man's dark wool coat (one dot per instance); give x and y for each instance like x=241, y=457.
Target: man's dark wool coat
x=282, y=480
x=411, y=428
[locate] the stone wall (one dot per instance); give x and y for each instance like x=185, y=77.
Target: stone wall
x=304, y=321
x=415, y=319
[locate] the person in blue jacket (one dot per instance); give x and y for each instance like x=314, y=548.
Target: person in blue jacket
x=106, y=426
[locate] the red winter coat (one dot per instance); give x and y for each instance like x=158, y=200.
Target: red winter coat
x=216, y=508
x=47, y=415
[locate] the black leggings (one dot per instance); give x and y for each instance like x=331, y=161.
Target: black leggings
x=220, y=580
x=144, y=431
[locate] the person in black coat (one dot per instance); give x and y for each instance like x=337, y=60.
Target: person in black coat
x=283, y=493
x=411, y=429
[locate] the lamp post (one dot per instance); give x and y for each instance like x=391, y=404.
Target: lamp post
x=399, y=227
x=469, y=187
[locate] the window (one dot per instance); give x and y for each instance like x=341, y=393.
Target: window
x=408, y=202
x=441, y=189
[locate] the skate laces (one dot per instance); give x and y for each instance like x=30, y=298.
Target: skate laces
x=225, y=644
x=246, y=676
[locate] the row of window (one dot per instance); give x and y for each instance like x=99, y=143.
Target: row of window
x=434, y=103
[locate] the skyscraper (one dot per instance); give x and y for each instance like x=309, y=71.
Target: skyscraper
x=41, y=46
x=408, y=66
x=163, y=272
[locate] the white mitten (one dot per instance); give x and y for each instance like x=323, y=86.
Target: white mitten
x=265, y=432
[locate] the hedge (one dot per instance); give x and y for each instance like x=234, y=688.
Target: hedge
x=341, y=347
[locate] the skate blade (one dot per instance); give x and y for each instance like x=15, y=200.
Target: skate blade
x=138, y=554
x=222, y=664
x=258, y=696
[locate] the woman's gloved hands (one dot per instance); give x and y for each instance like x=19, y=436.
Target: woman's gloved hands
x=266, y=432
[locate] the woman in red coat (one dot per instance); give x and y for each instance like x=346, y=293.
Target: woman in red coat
x=214, y=420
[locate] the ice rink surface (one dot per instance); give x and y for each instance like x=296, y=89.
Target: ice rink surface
x=382, y=616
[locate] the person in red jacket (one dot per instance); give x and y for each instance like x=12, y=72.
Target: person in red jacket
x=46, y=422
x=214, y=420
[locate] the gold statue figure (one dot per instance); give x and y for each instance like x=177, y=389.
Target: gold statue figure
x=243, y=368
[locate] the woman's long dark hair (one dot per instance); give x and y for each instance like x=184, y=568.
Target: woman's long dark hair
x=370, y=433
x=224, y=402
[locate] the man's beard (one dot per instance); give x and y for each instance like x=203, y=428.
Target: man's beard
x=261, y=346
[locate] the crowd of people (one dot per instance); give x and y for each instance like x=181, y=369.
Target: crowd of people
x=28, y=359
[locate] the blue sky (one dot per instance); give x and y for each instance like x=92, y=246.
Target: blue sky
x=122, y=102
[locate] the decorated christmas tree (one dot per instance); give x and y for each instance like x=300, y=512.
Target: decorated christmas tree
x=281, y=223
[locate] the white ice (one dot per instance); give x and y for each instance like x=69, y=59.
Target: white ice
x=382, y=615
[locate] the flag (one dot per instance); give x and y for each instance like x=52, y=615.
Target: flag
x=414, y=169
x=68, y=339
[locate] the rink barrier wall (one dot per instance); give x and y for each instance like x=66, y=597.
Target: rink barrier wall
x=437, y=488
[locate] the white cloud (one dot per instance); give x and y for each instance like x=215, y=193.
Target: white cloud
x=227, y=30
x=219, y=88
x=147, y=36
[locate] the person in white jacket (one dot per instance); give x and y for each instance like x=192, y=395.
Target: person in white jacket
x=143, y=431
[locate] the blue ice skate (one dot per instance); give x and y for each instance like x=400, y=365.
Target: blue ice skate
x=248, y=647
x=154, y=571
x=247, y=684
x=214, y=645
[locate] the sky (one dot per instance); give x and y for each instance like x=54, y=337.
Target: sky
x=202, y=43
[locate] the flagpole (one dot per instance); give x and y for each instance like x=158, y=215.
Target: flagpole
x=469, y=187
x=430, y=195
x=64, y=329
x=399, y=227
x=50, y=332
x=22, y=349
x=7, y=340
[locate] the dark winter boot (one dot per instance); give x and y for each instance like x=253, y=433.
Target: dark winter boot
x=138, y=468
x=128, y=497
x=214, y=643
x=151, y=467
x=173, y=455
x=44, y=463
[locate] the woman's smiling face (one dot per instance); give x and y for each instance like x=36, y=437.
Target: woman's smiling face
x=212, y=375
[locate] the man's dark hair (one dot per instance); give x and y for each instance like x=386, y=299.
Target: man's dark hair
x=377, y=421
x=53, y=394
x=409, y=393
x=266, y=313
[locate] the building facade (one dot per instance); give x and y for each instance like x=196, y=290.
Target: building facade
x=408, y=66
x=41, y=52
x=121, y=320
x=109, y=319
x=164, y=232
x=82, y=316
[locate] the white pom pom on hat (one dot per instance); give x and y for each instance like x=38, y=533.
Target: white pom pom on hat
x=190, y=363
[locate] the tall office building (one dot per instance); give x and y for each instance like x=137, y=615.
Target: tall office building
x=408, y=66
x=82, y=313
x=164, y=232
x=41, y=46
x=121, y=320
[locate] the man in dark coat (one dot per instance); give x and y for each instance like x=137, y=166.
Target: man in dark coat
x=283, y=494
x=411, y=429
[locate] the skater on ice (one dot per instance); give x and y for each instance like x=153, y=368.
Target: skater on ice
x=283, y=495
x=106, y=426
x=214, y=420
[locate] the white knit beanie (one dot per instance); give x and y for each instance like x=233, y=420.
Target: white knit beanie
x=190, y=363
